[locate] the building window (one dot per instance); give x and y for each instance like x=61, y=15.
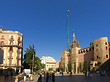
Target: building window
x=106, y=48
x=2, y=36
x=18, y=38
x=11, y=43
x=18, y=44
x=96, y=49
x=81, y=51
x=86, y=50
x=2, y=43
x=105, y=43
x=11, y=37
x=11, y=48
x=89, y=49
x=106, y=56
x=93, y=48
x=96, y=45
x=97, y=57
x=91, y=59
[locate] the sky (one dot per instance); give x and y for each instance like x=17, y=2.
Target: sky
x=43, y=23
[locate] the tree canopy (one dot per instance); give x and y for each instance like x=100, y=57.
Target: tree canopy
x=28, y=59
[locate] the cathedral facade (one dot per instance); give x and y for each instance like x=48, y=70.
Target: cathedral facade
x=95, y=55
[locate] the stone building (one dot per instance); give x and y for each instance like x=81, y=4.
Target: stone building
x=96, y=54
x=49, y=63
x=11, y=45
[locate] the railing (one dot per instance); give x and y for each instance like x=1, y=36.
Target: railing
x=18, y=57
x=11, y=39
x=10, y=57
x=10, y=65
x=2, y=38
x=19, y=40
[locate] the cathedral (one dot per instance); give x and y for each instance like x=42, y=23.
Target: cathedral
x=86, y=59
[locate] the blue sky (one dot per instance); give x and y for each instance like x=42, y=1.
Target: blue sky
x=43, y=22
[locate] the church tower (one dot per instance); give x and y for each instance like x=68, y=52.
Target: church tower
x=74, y=47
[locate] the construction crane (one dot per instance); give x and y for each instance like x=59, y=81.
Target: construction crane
x=68, y=30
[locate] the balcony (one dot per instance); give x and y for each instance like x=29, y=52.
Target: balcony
x=10, y=57
x=19, y=40
x=11, y=65
x=11, y=39
x=10, y=51
x=2, y=38
x=18, y=57
x=18, y=51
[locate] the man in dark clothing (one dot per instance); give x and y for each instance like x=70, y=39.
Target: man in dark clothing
x=47, y=77
x=53, y=77
x=11, y=75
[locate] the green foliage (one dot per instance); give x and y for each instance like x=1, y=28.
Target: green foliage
x=92, y=44
x=87, y=65
x=68, y=67
x=64, y=67
x=59, y=67
x=74, y=66
x=38, y=63
x=50, y=69
x=28, y=57
x=80, y=67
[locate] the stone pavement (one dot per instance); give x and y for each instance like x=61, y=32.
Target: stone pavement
x=8, y=79
x=79, y=78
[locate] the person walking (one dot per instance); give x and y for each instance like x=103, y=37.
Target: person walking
x=40, y=78
x=44, y=74
x=16, y=80
x=53, y=77
x=47, y=77
x=11, y=75
x=62, y=73
x=5, y=74
x=108, y=73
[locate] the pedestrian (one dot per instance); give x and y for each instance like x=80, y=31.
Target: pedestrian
x=100, y=74
x=44, y=74
x=47, y=77
x=85, y=74
x=108, y=73
x=5, y=74
x=16, y=80
x=103, y=74
x=62, y=73
x=53, y=77
x=11, y=75
x=40, y=78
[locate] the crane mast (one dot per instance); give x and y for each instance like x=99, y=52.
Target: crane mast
x=68, y=30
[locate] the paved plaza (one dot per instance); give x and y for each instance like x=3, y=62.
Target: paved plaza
x=65, y=78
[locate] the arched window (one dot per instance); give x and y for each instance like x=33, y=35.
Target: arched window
x=11, y=43
x=2, y=43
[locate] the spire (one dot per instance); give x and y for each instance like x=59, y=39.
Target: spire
x=78, y=43
x=64, y=49
x=73, y=35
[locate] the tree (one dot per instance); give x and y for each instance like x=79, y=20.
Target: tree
x=64, y=67
x=80, y=67
x=38, y=63
x=68, y=67
x=87, y=64
x=59, y=67
x=50, y=69
x=28, y=57
x=74, y=66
